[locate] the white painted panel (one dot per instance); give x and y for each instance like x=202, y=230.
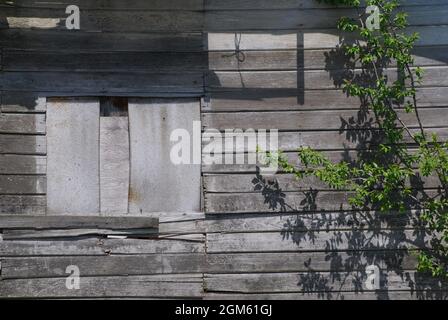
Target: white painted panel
x=114, y=165
x=73, y=156
x=156, y=183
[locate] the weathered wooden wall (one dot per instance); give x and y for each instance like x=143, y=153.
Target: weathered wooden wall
x=254, y=64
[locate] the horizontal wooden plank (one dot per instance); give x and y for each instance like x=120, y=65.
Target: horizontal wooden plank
x=317, y=282
x=331, y=241
x=14, y=184
x=23, y=144
x=22, y=204
x=159, y=263
x=76, y=222
x=310, y=222
x=98, y=247
x=187, y=285
x=289, y=4
x=79, y=41
x=274, y=199
x=308, y=79
x=303, y=261
x=319, y=140
x=23, y=102
x=26, y=234
x=22, y=123
x=369, y=295
x=114, y=4
x=17, y=164
x=294, y=59
x=242, y=20
x=285, y=182
x=312, y=120
x=281, y=100
x=311, y=39
x=101, y=83
x=18, y=60
x=129, y=20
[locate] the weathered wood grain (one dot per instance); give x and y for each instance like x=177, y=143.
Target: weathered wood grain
x=159, y=263
x=317, y=282
x=312, y=79
x=114, y=4
x=22, y=123
x=22, y=204
x=331, y=241
x=21, y=184
x=101, y=83
x=22, y=101
x=282, y=100
x=312, y=120
x=76, y=222
x=319, y=140
x=286, y=182
x=289, y=4
x=305, y=261
x=95, y=247
x=303, y=19
x=311, y=39
x=378, y=295
x=304, y=222
x=73, y=156
x=25, y=234
x=132, y=286
x=19, y=60
x=104, y=20
x=157, y=184
x=114, y=165
x=23, y=144
x=72, y=41
x=15, y=164
x=298, y=59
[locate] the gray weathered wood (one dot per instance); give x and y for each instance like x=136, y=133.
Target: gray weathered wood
x=156, y=183
x=23, y=144
x=318, y=282
x=305, y=222
x=97, y=247
x=22, y=123
x=21, y=184
x=312, y=120
x=73, y=156
x=133, y=286
x=332, y=241
x=282, y=100
x=114, y=165
x=159, y=263
x=312, y=79
x=101, y=83
x=18, y=60
x=22, y=101
x=302, y=262
x=22, y=204
x=73, y=41
x=76, y=222
x=15, y=164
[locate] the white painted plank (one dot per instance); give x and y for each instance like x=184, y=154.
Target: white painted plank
x=73, y=156
x=114, y=165
x=156, y=183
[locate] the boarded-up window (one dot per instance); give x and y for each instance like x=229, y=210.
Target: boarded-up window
x=105, y=159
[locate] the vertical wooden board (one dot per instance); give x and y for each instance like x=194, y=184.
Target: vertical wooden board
x=73, y=156
x=156, y=183
x=114, y=165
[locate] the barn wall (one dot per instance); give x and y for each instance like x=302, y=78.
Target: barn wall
x=254, y=64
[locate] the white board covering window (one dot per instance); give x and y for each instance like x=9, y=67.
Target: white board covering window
x=116, y=162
